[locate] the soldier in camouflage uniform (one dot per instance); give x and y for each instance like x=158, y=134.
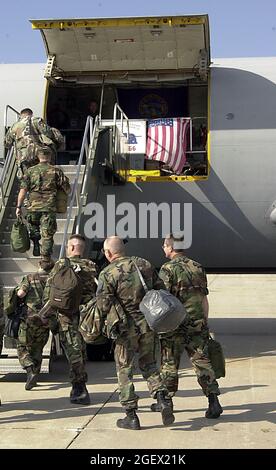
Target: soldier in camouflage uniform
x=42, y=181
x=32, y=334
x=2, y=318
x=71, y=339
x=119, y=283
x=28, y=135
x=186, y=279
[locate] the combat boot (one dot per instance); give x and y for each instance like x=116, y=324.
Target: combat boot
x=46, y=264
x=79, y=394
x=36, y=249
x=31, y=378
x=165, y=408
x=156, y=407
x=214, y=410
x=74, y=392
x=131, y=421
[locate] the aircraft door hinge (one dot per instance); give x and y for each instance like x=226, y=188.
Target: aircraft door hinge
x=49, y=66
x=203, y=64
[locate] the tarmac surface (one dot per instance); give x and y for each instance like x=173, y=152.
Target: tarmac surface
x=242, y=315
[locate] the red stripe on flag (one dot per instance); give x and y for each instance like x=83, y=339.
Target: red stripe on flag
x=167, y=143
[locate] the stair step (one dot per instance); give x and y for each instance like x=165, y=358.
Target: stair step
x=11, y=365
x=7, y=252
x=21, y=265
x=71, y=168
x=5, y=238
x=12, y=278
x=10, y=213
x=9, y=362
x=7, y=224
x=15, y=189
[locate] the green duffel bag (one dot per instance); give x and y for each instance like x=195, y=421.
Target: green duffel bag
x=91, y=322
x=216, y=357
x=20, y=240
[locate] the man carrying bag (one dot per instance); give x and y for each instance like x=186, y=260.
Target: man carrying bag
x=186, y=279
x=119, y=285
x=20, y=241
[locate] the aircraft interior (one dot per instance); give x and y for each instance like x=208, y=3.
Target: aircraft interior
x=69, y=104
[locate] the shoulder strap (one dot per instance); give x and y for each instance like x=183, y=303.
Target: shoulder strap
x=140, y=276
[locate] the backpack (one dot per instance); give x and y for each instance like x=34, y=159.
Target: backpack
x=59, y=139
x=162, y=310
x=20, y=240
x=66, y=289
x=91, y=321
x=62, y=195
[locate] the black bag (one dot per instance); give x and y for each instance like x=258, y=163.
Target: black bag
x=20, y=240
x=12, y=325
x=216, y=356
x=15, y=310
x=66, y=289
x=162, y=310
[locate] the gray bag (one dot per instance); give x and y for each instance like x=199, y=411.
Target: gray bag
x=162, y=310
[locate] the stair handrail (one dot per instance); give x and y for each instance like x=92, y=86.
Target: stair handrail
x=6, y=180
x=8, y=106
x=8, y=167
x=116, y=129
x=89, y=164
x=75, y=193
x=6, y=114
x=123, y=118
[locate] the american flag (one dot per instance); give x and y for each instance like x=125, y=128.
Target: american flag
x=167, y=141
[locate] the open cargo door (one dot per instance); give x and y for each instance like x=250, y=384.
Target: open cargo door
x=130, y=45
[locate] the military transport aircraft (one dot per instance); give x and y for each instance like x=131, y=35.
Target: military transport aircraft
x=149, y=76
x=148, y=68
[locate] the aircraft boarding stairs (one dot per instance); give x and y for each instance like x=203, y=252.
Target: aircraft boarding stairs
x=15, y=265
x=92, y=166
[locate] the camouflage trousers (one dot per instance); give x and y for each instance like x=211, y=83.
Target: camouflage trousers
x=74, y=347
x=172, y=346
x=30, y=344
x=126, y=347
x=43, y=224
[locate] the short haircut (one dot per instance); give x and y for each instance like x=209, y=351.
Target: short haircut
x=78, y=237
x=44, y=151
x=176, y=241
x=26, y=111
x=115, y=245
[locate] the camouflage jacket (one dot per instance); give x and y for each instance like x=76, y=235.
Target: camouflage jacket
x=186, y=279
x=2, y=318
x=33, y=285
x=42, y=181
x=28, y=134
x=86, y=269
x=120, y=281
